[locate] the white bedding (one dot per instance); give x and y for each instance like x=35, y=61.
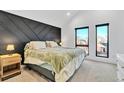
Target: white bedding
x=65, y=73
x=68, y=70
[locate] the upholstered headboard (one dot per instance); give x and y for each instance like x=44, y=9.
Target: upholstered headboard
x=19, y=31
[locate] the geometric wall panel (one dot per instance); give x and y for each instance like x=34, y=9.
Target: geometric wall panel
x=19, y=31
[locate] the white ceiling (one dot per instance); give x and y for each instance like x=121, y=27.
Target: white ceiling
x=53, y=17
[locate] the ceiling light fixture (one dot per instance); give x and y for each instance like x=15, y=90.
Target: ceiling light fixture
x=68, y=13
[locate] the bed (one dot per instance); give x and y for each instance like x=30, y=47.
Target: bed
x=54, y=62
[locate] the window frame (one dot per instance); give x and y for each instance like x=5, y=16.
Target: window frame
x=99, y=25
x=76, y=37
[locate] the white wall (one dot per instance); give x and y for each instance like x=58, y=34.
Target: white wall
x=53, y=17
x=91, y=18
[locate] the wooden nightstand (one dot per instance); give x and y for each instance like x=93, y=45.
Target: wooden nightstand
x=10, y=65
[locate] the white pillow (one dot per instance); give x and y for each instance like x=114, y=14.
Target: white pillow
x=51, y=44
x=38, y=44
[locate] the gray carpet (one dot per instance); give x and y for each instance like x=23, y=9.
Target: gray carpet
x=90, y=71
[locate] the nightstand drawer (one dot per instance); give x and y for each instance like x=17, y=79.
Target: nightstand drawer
x=10, y=63
x=11, y=59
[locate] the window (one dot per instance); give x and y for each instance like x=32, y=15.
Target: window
x=102, y=40
x=82, y=38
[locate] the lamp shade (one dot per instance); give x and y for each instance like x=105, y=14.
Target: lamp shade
x=10, y=47
x=60, y=43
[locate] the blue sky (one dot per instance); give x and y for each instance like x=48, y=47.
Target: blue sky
x=82, y=33
x=102, y=31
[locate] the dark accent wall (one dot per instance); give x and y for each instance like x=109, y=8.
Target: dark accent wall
x=19, y=31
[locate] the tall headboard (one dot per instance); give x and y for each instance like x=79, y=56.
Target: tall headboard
x=19, y=31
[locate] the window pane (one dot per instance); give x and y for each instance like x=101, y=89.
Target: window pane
x=82, y=38
x=102, y=40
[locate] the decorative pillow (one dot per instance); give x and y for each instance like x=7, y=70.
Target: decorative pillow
x=27, y=46
x=38, y=44
x=51, y=44
x=48, y=44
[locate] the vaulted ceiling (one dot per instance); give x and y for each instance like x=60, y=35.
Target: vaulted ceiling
x=53, y=17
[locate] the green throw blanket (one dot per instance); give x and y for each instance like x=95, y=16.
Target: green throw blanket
x=58, y=57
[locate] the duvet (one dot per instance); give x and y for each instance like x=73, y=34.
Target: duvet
x=58, y=58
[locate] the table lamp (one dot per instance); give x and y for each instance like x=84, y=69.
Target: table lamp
x=60, y=43
x=10, y=47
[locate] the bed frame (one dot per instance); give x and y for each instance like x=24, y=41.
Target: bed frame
x=43, y=71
